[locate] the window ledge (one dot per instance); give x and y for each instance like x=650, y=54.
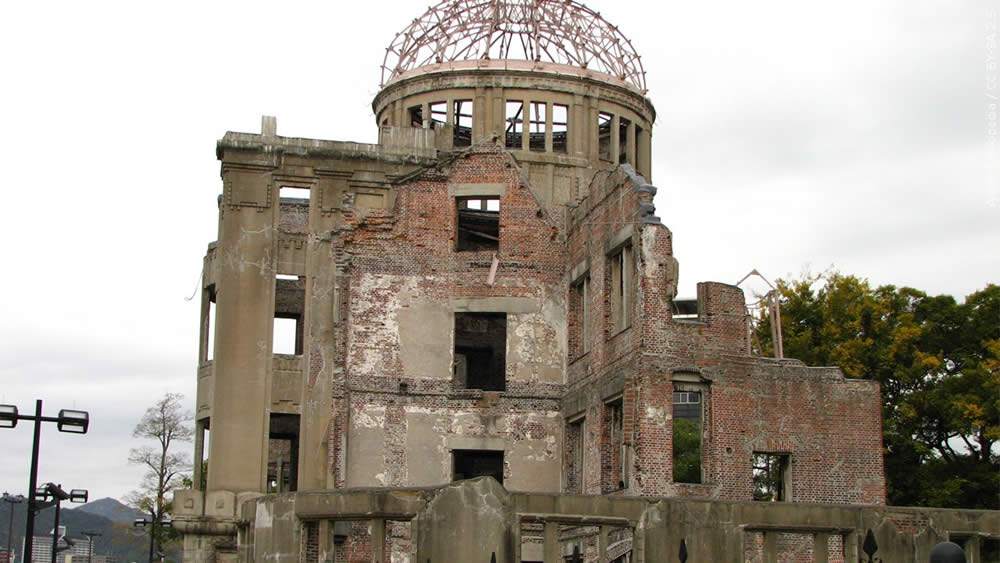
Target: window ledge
x=619, y=333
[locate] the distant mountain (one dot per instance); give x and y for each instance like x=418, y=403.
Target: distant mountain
x=117, y=537
x=112, y=510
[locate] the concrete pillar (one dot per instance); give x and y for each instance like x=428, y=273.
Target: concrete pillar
x=602, y=543
x=425, y=111
x=821, y=547
x=325, y=547
x=644, y=154
x=199, y=453
x=630, y=144
x=615, y=122
x=548, y=126
x=526, y=116
x=378, y=540
x=320, y=326
x=770, y=547
x=551, y=553
x=577, y=127
x=244, y=318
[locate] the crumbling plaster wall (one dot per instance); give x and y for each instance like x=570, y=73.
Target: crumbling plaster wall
x=407, y=283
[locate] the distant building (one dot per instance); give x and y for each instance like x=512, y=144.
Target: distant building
x=78, y=548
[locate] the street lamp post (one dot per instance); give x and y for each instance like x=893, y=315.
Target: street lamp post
x=52, y=494
x=75, y=422
x=12, y=500
x=91, y=536
x=153, y=525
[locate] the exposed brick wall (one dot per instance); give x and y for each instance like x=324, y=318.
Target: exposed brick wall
x=831, y=427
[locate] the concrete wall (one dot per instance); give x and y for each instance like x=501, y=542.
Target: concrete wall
x=443, y=520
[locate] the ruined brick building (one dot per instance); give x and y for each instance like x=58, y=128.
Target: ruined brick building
x=487, y=291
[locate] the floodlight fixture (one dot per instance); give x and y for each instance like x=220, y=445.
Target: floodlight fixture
x=8, y=416
x=56, y=492
x=74, y=422
x=78, y=496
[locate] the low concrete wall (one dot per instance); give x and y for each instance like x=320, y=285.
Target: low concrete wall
x=477, y=519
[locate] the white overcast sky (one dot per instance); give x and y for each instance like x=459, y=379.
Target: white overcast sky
x=790, y=136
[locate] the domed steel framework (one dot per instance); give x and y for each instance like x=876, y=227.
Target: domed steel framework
x=555, y=31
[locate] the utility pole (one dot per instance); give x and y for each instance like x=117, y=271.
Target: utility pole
x=91, y=536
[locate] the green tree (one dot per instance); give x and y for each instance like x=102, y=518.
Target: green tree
x=937, y=362
x=164, y=423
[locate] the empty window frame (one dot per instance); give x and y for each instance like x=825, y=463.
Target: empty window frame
x=536, y=140
x=282, y=453
x=612, y=446
x=623, y=140
x=515, y=124
x=208, y=324
x=771, y=478
x=478, y=223
x=481, y=351
x=439, y=113
x=560, y=128
x=463, y=123
x=621, y=290
x=580, y=317
x=574, y=456
x=687, y=433
x=604, y=121
x=416, y=114
x=467, y=464
x=289, y=307
x=293, y=194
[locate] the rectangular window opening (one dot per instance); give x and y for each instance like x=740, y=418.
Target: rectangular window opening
x=293, y=193
x=623, y=140
x=283, y=453
x=481, y=351
x=580, y=317
x=478, y=223
x=463, y=123
x=209, y=338
x=621, y=290
x=201, y=439
x=536, y=141
x=439, y=112
x=770, y=477
x=560, y=128
x=468, y=464
x=612, y=446
x=515, y=125
x=604, y=135
x=687, y=432
x=574, y=457
x=289, y=308
x=416, y=114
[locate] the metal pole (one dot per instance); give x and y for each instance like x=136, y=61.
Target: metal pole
x=55, y=531
x=152, y=528
x=10, y=529
x=29, y=518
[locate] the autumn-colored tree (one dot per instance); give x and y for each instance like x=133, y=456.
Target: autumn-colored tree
x=938, y=362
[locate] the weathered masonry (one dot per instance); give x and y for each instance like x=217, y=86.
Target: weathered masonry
x=487, y=292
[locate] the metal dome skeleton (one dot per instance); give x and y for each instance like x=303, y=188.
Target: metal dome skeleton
x=562, y=32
